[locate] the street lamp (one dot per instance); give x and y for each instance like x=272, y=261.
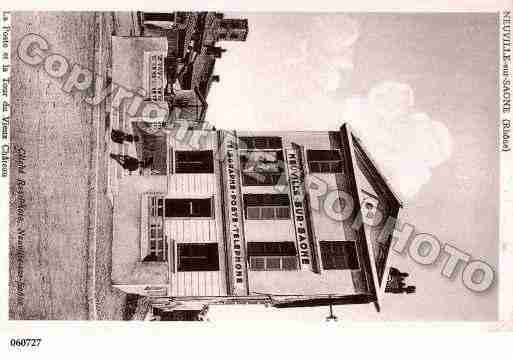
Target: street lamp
x=331, y=317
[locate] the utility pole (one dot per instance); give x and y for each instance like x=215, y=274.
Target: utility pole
x=331, y=317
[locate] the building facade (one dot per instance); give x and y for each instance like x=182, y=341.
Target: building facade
x=287, y=217
x=214, y=216
x=163, y=77
x=192, y=51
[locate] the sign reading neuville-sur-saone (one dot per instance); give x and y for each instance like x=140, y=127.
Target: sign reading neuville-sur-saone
x=299, y=207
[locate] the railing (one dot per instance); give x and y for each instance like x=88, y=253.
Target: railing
x=273, y=263
x=326, y=166
x=268, y=212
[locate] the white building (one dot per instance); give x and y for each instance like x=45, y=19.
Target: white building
x=241, y=217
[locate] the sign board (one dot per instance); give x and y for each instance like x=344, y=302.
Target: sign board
x=154, y=75
x=300, y=211
x=234, y=217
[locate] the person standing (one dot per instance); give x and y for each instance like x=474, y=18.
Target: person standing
x=127, y=162
x=120, y=136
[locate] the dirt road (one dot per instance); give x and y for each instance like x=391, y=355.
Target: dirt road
x=60, y=216
x=53, y=129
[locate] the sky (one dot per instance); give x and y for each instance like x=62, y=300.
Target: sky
x=421, y=92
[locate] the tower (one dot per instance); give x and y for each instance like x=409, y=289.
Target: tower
x=232, y=30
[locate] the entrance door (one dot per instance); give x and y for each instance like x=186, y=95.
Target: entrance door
x=152, y=150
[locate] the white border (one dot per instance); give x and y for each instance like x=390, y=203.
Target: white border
x=253, y=339
x=269, y=5
x=506, y=190
x=4, y=184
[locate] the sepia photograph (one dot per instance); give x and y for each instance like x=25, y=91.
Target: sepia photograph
x=254, y=166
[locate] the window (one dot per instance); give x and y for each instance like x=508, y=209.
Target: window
x=339, y=255
x=261, y=168
x=187, y=207
x=267, y=206
x=155, y=231
x=370, y=206
x=260, y=143
x=158, y=16
x=158, y=245
x=271, y=249
x=270, y=256
x=197, y=257
x=272, y=263
x=157, y=250
x=324, y=161
x=260, y=165
x=194, y=162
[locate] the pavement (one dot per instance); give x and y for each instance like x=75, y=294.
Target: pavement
x=65, y=269
x=105, y=302
x=54, y=129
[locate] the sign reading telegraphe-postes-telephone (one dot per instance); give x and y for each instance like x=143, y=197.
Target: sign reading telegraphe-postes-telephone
x=235, y=229
x=299, y=207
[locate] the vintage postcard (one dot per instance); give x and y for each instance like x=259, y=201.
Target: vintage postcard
x=214, y=165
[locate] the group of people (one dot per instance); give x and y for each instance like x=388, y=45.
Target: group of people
x=127, y=162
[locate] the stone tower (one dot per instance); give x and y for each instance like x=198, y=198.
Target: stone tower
x=232, y=30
